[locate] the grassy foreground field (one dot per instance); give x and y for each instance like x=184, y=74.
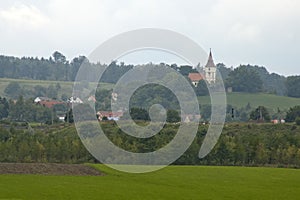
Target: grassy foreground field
x=174, y=182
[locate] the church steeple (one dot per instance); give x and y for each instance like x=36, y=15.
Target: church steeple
x=210, y=62
x=210, y=69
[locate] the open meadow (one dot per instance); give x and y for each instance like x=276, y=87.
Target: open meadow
x=270, y=101
x=66, y=86
x=173, y=182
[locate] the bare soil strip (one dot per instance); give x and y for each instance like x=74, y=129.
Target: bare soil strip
x=48, y=169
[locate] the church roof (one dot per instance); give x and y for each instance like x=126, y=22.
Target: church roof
x=210, y=62
x=195, y=76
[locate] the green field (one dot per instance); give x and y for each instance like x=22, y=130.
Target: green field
x=268, y=100
x=66, y=87
x=174, y=182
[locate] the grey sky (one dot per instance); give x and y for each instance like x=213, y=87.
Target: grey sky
x=262, y=32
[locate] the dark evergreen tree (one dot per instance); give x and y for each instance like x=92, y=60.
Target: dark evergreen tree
x=173, y=116
x=4, y=108
x=69, y=116
x=292, y=114
x=139, y=114
x=261, y=114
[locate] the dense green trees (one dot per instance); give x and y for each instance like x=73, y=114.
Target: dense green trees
x=13, y=90
x=151, y=94
x=103, y=99
x=185, y=70
x=57, y=144
x=239, y=144
x=40, y=91
x=26, y=110
x=292, y=114
x=4, y=108
x=201, y=89
x=114, y=72
x=173, y=116
x=297, y=120
x=223, y=70
x=245, y=79
x=139, y=114
x=241, y=114
x=59, y=57
x=293, y=86
x=260, y=114
x=54, y=68
x=272, y=83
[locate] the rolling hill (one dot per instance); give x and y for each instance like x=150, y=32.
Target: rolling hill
x=270, y=101
x=66, y=87
x=259, y=99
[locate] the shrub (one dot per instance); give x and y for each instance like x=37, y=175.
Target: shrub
x=297, y=121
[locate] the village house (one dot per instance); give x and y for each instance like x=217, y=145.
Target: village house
x=38, y=99
x=46, y=102
x=195, y=78
x=75, y=100
x=191, y=118
x=109, y=115
x=92, y=99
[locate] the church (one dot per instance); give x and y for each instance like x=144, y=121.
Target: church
x=209, y=75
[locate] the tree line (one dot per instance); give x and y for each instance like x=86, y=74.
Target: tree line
x=244, y=78
x=240, y=144
x=21, y=143
x=25, y=110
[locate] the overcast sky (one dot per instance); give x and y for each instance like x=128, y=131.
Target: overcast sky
x=262, y=32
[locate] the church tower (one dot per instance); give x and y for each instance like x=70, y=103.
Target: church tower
x=210, y=70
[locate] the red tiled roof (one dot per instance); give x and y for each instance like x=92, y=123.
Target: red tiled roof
x=195, y=76
x=49, y=104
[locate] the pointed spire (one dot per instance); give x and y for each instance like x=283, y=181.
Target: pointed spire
x=210, y=62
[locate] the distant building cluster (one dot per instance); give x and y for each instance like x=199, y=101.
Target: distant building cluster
x=49, y=103
x=101, y=115
x=209, y=75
